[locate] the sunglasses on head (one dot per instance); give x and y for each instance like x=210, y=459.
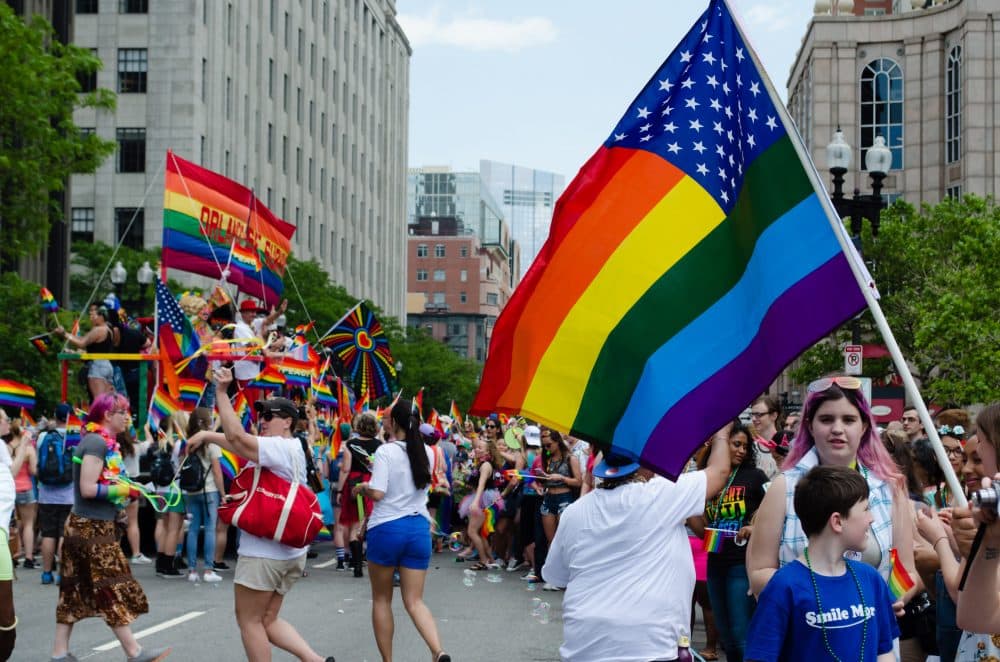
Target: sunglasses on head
x=820, y=385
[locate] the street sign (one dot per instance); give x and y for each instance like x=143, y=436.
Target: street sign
x=852, y=359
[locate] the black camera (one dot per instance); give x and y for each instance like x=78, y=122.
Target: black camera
x=985, y=499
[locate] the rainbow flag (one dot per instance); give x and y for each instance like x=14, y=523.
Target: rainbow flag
x=418, y=403
x=899, y=580
x=49, y=303
x=713, y=539
x=269, y=378
x=191, y=391
x=16, y=394
x=344, y=401
x=658, y=306
x=73, y=427
x=360, y=342
x=231, y=464
x=41, y=342
x=204, y=213
x=161, y=406
x=296, y=372
x=337, y=438
x=455, y=414
x=324, y=396
x=26, y=419
x=299, y=335
x=242, y=408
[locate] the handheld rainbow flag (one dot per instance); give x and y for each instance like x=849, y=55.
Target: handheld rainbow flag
x=161, y=406
x=656, y=310
x=73, y=427
x=269, y=378
x=456, y=415
x=418, y=403
x=899, y=580
x=191, y=391
x=344, y=401
x=242, y=409
x=26, y=418
x=16, y=394
x=41, y=342
x=324, y=397
x=49, y=303
x=359, y=341
x=337, y=439
x=231, y=464
x=713, y=539
x=204, y=213
x=296, y=372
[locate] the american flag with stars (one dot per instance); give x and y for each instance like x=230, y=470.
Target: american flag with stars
x=706, y=110
x=176, y=333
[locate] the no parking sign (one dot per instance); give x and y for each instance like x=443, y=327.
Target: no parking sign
x=852, y=359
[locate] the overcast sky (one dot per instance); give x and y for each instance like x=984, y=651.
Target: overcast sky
x=542, y=83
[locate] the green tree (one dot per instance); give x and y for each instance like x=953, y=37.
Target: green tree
x=90, y=262
x=937, y=271
x=22, y=319
x=445, y=375
x=39, y=144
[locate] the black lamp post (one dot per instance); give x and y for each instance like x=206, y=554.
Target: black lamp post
x=858, y=207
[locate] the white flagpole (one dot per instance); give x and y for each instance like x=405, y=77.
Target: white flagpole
x=860, y=273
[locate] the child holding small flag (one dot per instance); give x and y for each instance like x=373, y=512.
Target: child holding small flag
x=825, y=606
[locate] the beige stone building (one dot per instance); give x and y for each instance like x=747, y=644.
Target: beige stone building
x=305, y=101
x=924, y=78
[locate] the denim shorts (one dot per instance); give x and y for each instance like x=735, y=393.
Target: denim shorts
x=555, y=504
x=25, y=497
x=404, y=542
x=101, y=369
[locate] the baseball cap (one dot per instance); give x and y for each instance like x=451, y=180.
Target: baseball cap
x=63, y=411
x=533, y=436
x=616, y=464
x=249, y=305
x=279, y=406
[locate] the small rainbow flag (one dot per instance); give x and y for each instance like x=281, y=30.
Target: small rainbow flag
x=337, y=439
x=191, y=391
x=231, y=464
x=49, y=303
x=455, y=414
x=162, y=406
x=296, y=372
x=324, y=396
x=242, y=408
x=16, y=394
x=899, y=580
x=246, y=256
x=712, y=542
x=26, y=418
x=418, y=403
x=73, y=427
x=41, y=342
x=269, y=378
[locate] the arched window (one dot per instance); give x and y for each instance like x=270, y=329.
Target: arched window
x=953, y=106
x=882, y=108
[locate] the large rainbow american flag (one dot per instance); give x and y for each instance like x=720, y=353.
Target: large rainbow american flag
x=692, y=258
x=207, y=216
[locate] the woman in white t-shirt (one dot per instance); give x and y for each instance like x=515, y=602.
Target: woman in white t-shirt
x=398, y=532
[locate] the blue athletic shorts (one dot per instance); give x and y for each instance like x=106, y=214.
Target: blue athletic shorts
x=402, y=542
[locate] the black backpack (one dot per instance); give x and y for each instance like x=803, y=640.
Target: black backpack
x=193, y=474
x=161, y=468
x=55, y=467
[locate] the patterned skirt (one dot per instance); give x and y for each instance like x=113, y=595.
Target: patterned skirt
x=96, y=577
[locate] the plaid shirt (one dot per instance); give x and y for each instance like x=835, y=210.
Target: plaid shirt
x=793, y=540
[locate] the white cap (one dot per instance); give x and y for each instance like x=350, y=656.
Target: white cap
x=533, y=436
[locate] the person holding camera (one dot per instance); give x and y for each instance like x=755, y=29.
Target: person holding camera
x=266, y=569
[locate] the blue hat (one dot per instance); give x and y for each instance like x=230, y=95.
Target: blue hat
x=63, y=411
x=616, y=464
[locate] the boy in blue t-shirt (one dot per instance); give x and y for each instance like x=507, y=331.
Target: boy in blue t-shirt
x=823, y=606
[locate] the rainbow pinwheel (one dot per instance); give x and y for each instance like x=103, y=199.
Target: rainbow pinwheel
x=359, y=341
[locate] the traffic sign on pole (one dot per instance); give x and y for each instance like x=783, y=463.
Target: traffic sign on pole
x=852, y=359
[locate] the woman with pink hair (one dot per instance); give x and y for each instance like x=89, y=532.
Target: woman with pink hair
x=837, y=429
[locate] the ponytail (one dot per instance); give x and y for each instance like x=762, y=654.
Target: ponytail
x=405, y=418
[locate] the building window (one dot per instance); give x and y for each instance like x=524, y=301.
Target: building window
x=421, y=275
x=270, y=78
x=463, y=297
x=421, y=250
x=131, y=150
x=285, y=89
x=954, y=192
x=270, y=142
x=86, y=6
x=882, y=108
x=438, y=298
x=438, y=250
x=133, y=6
x=129, y=222
x=463, y=251
x=953, y=106
x=88, y=79
x=492, y=299
x=463, y=275
x=82, y=224
x=439, y=275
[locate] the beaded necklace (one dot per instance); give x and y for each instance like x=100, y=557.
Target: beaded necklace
x=819, y=606
x=712, y=509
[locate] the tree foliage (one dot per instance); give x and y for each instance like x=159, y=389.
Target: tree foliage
x=90, y=276
x=39, y=144
x=937, y=270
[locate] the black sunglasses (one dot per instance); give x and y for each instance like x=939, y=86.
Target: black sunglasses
x=269, y=416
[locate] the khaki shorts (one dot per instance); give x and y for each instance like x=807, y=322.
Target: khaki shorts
x=268, y=574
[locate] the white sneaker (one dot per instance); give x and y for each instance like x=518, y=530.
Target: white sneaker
x=512, y=565
x=193, y=577
x=141, y=559
x=550, y=587
x=211, y=577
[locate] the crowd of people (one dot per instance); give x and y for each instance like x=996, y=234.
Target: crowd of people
x=786, y=529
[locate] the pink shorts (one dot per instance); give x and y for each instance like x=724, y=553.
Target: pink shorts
x=700, y=559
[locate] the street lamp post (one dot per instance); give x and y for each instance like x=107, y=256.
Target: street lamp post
x=118, y=277
x=858, y=207
x=145, y=277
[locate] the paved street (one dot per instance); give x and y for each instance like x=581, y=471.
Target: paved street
x=331, y=609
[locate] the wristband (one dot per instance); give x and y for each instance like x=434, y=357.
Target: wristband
x=8, y=628
x=101, y=492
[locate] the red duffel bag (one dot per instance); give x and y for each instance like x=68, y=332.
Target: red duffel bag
x=266, y=505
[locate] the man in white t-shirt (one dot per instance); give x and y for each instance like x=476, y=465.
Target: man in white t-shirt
x=266, y=569
x=625, y=543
